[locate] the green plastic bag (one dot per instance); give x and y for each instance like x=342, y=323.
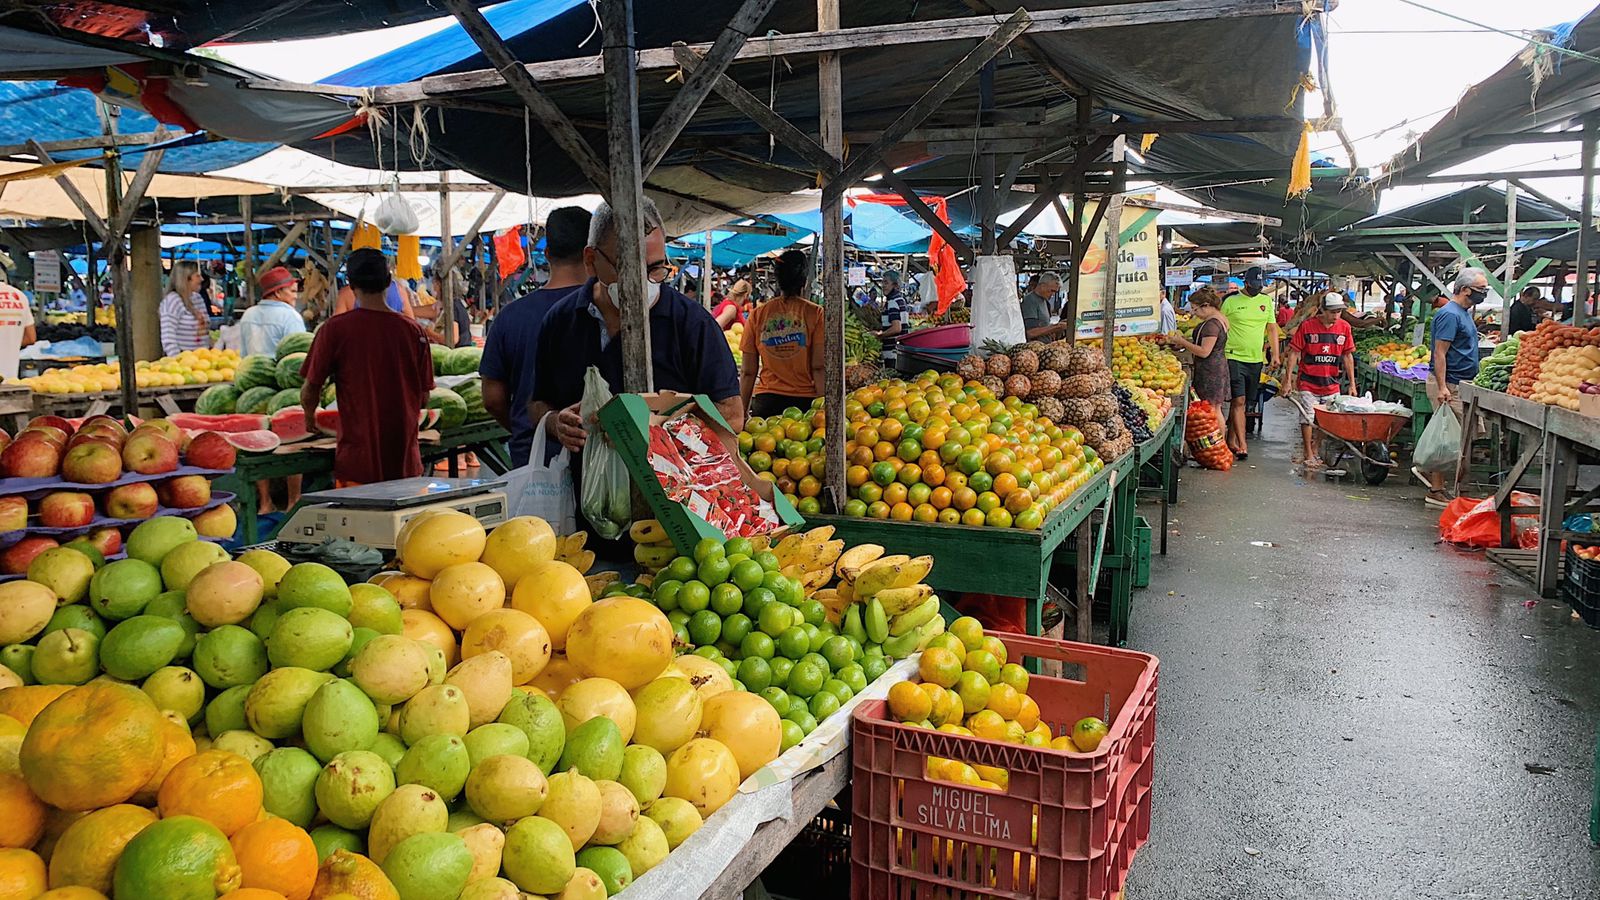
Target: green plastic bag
x=607, y=500
x=1440, y=443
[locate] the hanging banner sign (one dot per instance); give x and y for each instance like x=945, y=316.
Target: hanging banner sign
x=856, y=276
x=1180, y=276
x=47, y=271
x=1139, y=284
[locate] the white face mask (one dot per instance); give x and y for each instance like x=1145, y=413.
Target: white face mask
x=652, y=292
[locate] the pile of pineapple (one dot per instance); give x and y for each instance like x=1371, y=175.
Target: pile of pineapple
x=1069, y=384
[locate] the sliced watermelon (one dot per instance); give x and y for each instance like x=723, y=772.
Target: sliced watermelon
x=289, y=424
x=262, y=441
x=232, y=422
x=427, y=418
x=328, y=421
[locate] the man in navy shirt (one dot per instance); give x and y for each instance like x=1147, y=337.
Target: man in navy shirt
x=1455, y=357
x=688, y=352
x=508, y=353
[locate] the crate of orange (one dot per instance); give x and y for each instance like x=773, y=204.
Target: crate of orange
x=936, y=812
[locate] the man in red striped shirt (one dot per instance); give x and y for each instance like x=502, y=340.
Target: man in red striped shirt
x=1321, y=350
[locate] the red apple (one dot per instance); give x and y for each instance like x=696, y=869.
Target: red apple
x=107, y=540
x=185, y=492
x=14, y=560
x=210, y=450
x=104, y=420
x=13, y=513
x=218, y=522
x=132, y=501
x=30, y=456
x=66, y=509
x=5, y=439
x=92, y=462
x=149, y=452
x=54, y=422
x=100, y=432
x=47, y=432
x=176, y=434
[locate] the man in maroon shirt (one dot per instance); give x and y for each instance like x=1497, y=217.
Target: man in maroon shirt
x=380, y=364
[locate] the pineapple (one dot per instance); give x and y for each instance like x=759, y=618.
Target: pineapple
x=1086, y=359
x=1076, y=411
x=1056, y=357
x=1018, y=386
x=971, y=367
x=1094, y=433
x=1025, y=362
x=1078, y=386
x=996, y=386
x=999, y=365
x=1045, y=383
x=1051, y=409
x=1106, y=408
x=1034, y=346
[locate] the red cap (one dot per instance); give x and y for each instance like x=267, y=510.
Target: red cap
x=275, y=279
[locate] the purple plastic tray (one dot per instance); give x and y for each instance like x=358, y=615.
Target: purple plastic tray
x=120, y=554
x=8, y=538
x=37, y=487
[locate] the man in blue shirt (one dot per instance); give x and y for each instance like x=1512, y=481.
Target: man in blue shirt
x=508, y=353
x=688, y=352
x=1455, y=357
x=262, y=326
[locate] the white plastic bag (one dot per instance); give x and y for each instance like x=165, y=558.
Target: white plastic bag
x=1440, y=443
x=928, y=293
x=607, y=491
x=394, y=215
x=544, y=489
x=996, y=309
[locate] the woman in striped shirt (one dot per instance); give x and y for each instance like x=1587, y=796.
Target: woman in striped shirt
x=184, y=324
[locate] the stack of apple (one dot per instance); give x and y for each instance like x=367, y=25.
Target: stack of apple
x=102, y=452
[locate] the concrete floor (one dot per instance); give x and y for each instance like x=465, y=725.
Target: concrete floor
x=1357, y=711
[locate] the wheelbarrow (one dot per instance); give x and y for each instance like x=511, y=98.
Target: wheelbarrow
x=1364, y=436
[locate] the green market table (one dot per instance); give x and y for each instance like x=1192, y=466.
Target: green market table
x=1160, y=462
x=1414, y=394
x=486, y=440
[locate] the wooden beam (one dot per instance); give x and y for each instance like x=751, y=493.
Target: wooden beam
x=1031, y=47
x=771, y=47
x=1108, y=300
x=134, y=195
x=1513, y=139
x=830, y=249
x=697, y=85
x=1209, y=213
x=1403, y=178
x=507, y=70
x=958, y=75
x=926, y=214
x=306, y=243
x=404, y=187
x=1427, y=271
x=1440, y=230
x=626, y=196
x=451, y=256
x=1042, y=199
x=1547, y=200
x=762, y=114
x=1272, y=124
x=85, y=143
x=73, y=194
x=283, y=248
x=247, y=212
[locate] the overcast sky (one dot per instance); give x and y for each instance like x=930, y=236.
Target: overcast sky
x=1396, y=68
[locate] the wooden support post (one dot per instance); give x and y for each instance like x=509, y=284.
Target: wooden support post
x=71, y=190
x=1108, y=304
x=451, y=257
x=705, y=274
x=927, y=215
x=1054, y=188
x=762, y=114
x=1510, y=269
x=627, y=189
x=333, y=267
x=249, y=287
x=1084, y=104
x=115, y=258
x=830, y=112
x=446, y=260
x=1580, y=293
x=146, y=289
x=285, y=243
x=988, y=198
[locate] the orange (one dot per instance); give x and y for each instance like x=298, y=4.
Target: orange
x=94, y=746
x=178, y=744
x=877, y=510
x=901, y=512
x=954, y=480
x=936, y=704
x=996, y=647
x=1017, y=501
x=810, y=486
x=1028, y=715
x=933, y=475
x=973, y=517
x=986, y=723
x=217, y=786
x=939, y=666
x=949, y=516
x=1004, y=483
x=890, y=429
x=252, y=894
x=1004, y=699
x=869, y=492
x=963, y=498
x=23, y=821
x=74, y=893
x=918, y=494
x=909, y=474
x=895, y=493
x=276, y=855
x=21, y=875
x=799, y=468
x=88, y=850
x=779, y=467
x=998, y=518
x=988, y=501
x=925, y=513
x=882, y=450
x=940, y=497
x=855, y=476
x=907, y=703
x=24, y=703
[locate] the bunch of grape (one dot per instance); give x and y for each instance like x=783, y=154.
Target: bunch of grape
x=1137, y=420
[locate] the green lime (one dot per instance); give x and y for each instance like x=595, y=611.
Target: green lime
x=738, y=546
x=756, y=600
x=708, y=652
x=818, y=638
x=768, y=561
x=805, y=679
x=616, y=588
x=874, y=666
x=813, y=612
x=680, y=634
x=680, y=569
x=715, y=570
x=754, y=674
x=781, y=666
x=729, y=650
x=824, y=704
x=777, y=697
x=666, y=594
x=797, y=711
x=794, y=642
x=817, y=659
x=678, y=617
x=758, y=644
x=735, y=559
x=735, y=627
x=728, y=665
x=774, y=619
x=839, y=689
x=708, y=548
x=853, y=675
x=705, y=627
x=748, y=575
x=726, y=599
x=872, y=650
x=774, y=581
x=791, y=592
x=694, y=596
x=792, y=734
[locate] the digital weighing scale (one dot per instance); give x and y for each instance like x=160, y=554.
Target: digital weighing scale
x=373, y=514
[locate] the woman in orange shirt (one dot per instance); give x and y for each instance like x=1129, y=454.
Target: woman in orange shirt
x=782, y=345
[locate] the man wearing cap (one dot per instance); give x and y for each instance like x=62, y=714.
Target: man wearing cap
x=1252, y=342
x=262, y=326
x=895, y=319
x=1321, y=351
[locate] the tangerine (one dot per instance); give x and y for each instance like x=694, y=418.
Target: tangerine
x=220, y=787
x=909, y=704
x=939, y=666
x=949, y=516
x=901, y=512
x=276, y=855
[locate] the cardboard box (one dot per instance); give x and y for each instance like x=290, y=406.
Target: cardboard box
x=627, y=419
x=1589, y=405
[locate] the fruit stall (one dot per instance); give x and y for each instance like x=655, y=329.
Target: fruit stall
x=170, y=384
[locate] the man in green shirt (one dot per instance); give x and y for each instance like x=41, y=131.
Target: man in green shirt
x=1252, y=341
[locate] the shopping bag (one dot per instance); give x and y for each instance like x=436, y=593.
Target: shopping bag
x=1475, y=523
x=395, y=215
x=607, y=499
x=996, y=314
x=1440, y=443
x=544, y=489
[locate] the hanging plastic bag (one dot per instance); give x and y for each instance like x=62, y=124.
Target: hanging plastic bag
x=1204, y=433
x=1476, y=523
x=607, y=491
x=996, y=312
x=1440, y=443
x=395, y=215
x=544, y=489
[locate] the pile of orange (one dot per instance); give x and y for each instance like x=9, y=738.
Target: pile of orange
x=1141, y=362
x=932, y=450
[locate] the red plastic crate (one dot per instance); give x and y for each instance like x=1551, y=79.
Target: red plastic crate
x=916, y=837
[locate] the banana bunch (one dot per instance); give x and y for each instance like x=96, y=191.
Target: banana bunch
x=652, y=549
x=886, y=596
x=599, y=582
x=569, y=549
x=809, y=557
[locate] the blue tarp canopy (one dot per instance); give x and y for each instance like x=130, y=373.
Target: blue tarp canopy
x=873, y=227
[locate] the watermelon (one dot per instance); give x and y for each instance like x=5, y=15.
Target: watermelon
x=283, y=400
x=233, y=423
x=255, y=400
x=328, y=421
x=299, y=342
x=256, y=371
x=289, y=371
x=452, y=409
x=259, y=441
x=427, y=418
x=217, y=400
x=441, y=358
x=328, y=395
x=472, y=394
x=463, y=361
x=289, y=424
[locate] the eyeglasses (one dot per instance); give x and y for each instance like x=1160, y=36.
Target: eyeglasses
x=657, y=273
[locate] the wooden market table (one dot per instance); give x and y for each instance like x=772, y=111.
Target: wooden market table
x=486, y=440
x=812, y=792
x=16, y=405
x=169, y=400
x=1095, y=525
